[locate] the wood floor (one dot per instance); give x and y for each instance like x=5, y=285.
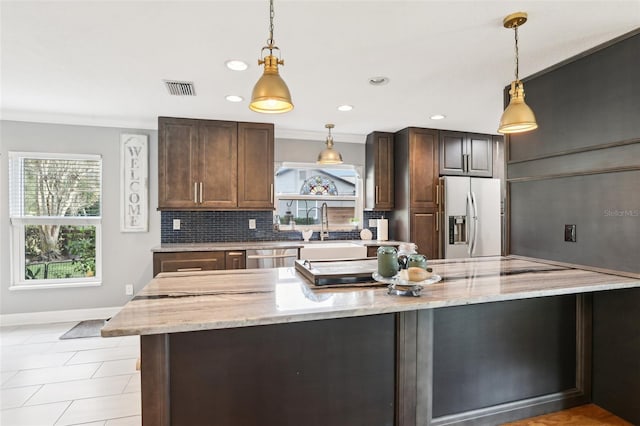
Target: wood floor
x=585, y=415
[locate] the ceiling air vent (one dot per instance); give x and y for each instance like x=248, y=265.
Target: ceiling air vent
x=180, y=88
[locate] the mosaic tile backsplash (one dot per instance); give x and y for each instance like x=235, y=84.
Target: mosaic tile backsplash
x=233, y=226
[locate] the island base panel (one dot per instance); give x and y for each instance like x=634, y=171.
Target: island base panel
x=330, y=372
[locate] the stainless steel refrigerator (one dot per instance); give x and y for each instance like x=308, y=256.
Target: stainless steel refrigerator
x=471, y=217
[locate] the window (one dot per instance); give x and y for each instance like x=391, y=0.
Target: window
x=55, y=203
x=303, y=188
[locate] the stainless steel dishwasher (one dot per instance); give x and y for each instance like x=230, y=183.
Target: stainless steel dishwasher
x=271, y=258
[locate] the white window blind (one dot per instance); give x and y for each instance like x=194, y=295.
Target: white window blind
x=55, y=185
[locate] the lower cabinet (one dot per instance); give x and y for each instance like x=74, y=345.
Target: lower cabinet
x=197, y=261
x=425, y=233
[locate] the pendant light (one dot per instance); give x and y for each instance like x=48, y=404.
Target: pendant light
x=517, y=117
x=329, y=155
x=270, y=94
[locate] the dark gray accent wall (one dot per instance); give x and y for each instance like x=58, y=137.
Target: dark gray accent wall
x=616, y=352
x=604, y=208
x=582, y=165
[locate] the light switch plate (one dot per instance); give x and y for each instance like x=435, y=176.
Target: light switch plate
x=570, y=233
x=176, y=224
x=252, y=224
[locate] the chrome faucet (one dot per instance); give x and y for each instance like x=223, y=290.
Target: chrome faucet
x=324, y=222
x=324, y=219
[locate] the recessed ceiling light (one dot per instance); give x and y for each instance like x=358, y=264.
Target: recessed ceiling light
x=438, y=117
x=378, y=81
x=236, y=65
x=234, y=98
x=345, y=108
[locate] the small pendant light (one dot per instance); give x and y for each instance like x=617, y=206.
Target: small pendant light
x=329, y=155
x=270, y=94
x=517, y=117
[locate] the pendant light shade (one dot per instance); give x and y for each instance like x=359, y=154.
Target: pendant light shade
x=329, y=155
x=270, y=94
x=517, y=117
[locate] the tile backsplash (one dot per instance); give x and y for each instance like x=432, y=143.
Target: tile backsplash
x=233, y=226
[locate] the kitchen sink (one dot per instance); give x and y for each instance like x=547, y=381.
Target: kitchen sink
x=333, y=251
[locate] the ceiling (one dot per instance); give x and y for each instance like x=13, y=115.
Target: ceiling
x=104, y=62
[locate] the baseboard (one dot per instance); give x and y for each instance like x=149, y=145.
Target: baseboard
x=58, y=316
x=516, y=410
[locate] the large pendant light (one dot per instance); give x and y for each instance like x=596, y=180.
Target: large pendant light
x=270, y=94
x=517, y=117
x=329, y=155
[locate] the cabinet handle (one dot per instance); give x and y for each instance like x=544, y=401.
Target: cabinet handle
x=437, y=195
x=195, y=192
x=437, y=221
x=466, y=163
x=376, y=197
x=236, y=253
x=271, y=196
x=188, y=269
x=201, y=187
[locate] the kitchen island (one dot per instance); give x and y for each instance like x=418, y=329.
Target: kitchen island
x=497, y=339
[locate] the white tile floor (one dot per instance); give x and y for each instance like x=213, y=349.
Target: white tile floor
x=45, y=381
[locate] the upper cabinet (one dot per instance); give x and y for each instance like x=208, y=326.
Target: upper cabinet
x=214, y=165
x=379, y=180
x=466, y=154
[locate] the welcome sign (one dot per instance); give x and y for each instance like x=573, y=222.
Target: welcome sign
x=134, y=183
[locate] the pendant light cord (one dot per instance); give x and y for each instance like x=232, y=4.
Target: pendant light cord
x=516, y=35
x=271, y=15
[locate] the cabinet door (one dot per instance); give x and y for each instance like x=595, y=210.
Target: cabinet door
x=218, y=165
x=425, y=233
x=423, y=168
x=177, y=163
x=235, y=260
x=452, y=150
x=255, y=166
x=384, y=173
x=188, y=261
x=479, y=149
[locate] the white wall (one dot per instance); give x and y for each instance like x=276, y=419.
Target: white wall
x=126, y=257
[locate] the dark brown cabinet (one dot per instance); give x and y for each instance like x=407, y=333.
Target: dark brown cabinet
x=214, y=165
x=379, y=194
x=417, y=200
x=466, y=154
x=189, y=261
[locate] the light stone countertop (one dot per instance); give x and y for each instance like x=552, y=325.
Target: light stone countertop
x=192, y=301
x=257, y=245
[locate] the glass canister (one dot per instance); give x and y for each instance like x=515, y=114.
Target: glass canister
x=417, y=260
x=387, y=261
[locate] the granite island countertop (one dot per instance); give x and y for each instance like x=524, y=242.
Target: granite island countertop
x=193, y=301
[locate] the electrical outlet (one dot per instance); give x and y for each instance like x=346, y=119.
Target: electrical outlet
x=570, y=233
x=252, y=224
x=176, y=224
x=128, y=289
x=372, y=223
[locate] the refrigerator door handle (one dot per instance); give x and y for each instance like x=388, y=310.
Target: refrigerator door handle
x=469, y=212
x=474, y=205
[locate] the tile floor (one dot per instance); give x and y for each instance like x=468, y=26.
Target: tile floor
x=46, y=381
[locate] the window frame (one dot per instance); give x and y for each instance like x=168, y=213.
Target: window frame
x=18, y=223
